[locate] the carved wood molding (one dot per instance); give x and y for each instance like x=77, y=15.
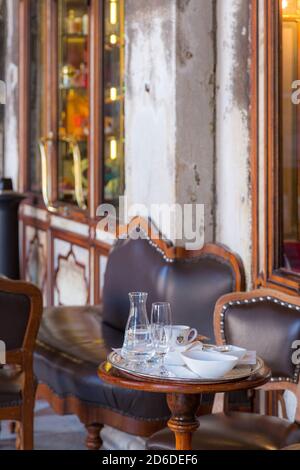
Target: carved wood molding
x=35, y=245
x=171, y=252
x=62, y=262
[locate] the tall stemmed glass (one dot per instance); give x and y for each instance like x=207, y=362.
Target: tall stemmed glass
x=161, y=320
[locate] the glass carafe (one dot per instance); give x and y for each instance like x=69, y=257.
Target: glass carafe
x=138, y=345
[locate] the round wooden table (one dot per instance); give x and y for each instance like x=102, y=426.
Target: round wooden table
x=183, y=399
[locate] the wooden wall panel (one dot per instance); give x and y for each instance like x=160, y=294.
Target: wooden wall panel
x=35, y=257
x=71, y=273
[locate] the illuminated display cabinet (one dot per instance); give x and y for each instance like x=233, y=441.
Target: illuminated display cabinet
x=71, y=124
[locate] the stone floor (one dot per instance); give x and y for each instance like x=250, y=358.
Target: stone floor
x=53, y=432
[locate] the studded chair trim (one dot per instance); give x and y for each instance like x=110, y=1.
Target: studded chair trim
x=253, y=300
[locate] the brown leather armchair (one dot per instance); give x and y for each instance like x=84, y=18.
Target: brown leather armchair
x=268, y=322
x=20, y=314
x=74, y=340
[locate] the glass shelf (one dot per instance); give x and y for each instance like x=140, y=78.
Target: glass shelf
x=73, y=87
x=111, y=47
x=75, y=36
x=115, y=100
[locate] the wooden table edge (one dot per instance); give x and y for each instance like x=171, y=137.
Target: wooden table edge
x=260, y=378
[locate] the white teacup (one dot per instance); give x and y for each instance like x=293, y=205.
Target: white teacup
x=182, y=335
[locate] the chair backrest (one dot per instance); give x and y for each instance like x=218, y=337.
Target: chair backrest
x=191, y=284
x=268, y=322
x=20, y=314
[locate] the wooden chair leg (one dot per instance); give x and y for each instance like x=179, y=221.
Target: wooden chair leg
x=12, y=427
x=26, y=428
x=272, y=398
x=93, y=440
x=18, y=435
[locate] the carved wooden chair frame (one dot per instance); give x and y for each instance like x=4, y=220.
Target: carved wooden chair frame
x=276, y=386
x=23, y=358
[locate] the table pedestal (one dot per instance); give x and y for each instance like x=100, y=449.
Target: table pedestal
x=184, y=421
x=183, y=398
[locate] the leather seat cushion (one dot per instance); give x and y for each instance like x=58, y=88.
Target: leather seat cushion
x=234, y=431
x=72, y=342
x=78, y=332
x=11, y=381
x=68, y=376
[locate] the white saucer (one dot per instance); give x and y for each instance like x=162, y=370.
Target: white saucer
x=174, y=358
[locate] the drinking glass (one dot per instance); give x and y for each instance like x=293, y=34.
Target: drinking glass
x=161, y=319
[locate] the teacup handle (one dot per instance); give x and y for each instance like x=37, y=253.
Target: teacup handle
x=192, y=335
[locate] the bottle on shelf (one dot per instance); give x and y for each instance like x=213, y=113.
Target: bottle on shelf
x=62, y=124
x=85, y=24
x=77, y=115
x=70, y=22
x=83, y=75
x=68, y=73
x=108, y=125
x=78, y=25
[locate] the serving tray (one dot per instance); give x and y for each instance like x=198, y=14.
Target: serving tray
x=150, y=372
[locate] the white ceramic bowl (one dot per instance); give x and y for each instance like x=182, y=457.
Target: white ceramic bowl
x=173, y=357
x=209, y=365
